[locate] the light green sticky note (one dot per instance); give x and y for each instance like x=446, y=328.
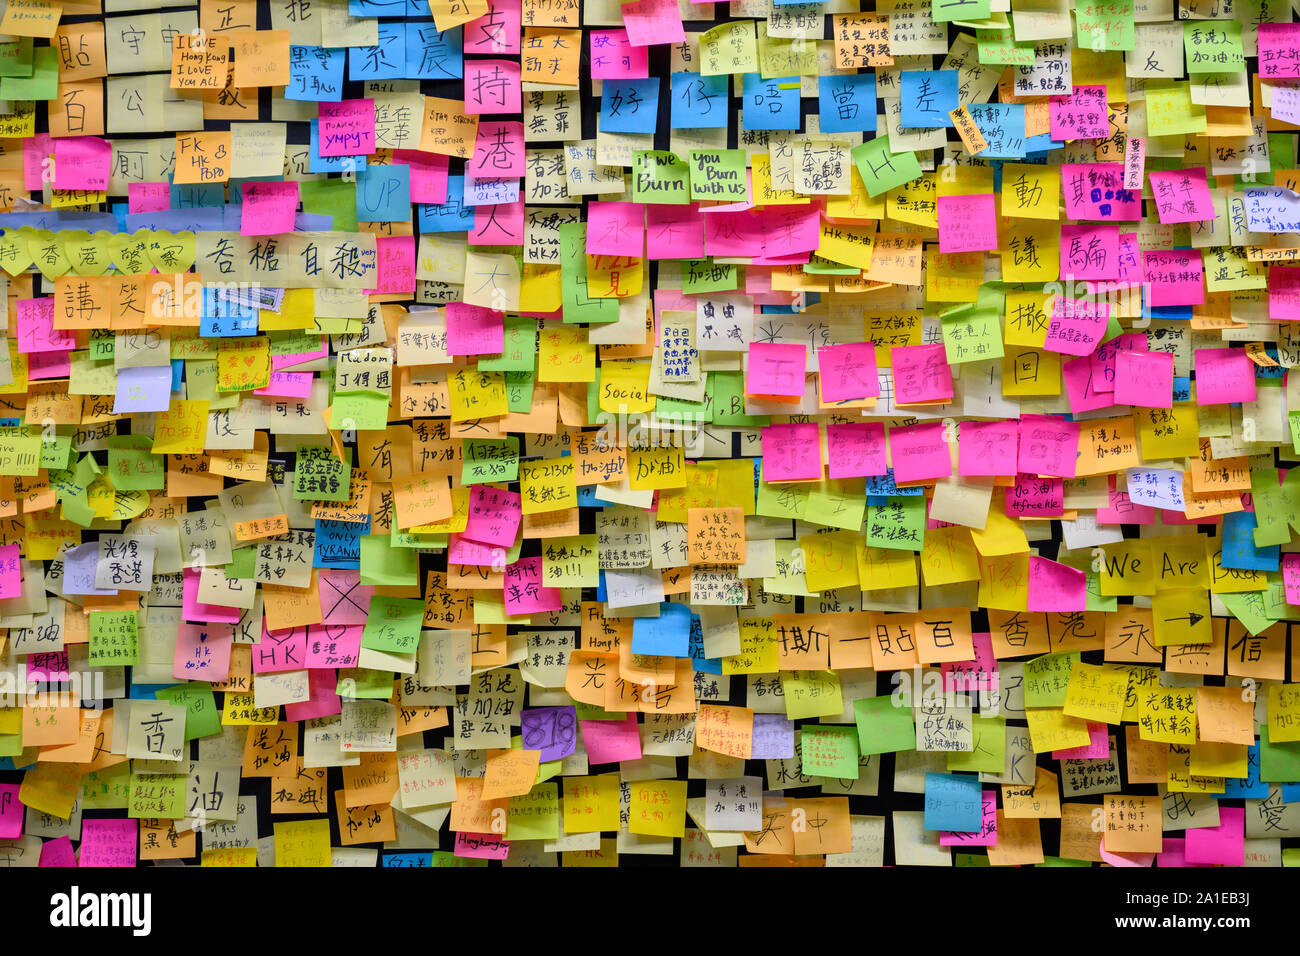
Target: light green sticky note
x=331, y=197
x=1047, y=678
x=320, y=476
x=1213, y=46
x=43, y=84
x=571, y=562
x=242, y=563
x=519, y=353
x=1171, y=112
x=364, y=683
x=1103, y=26
x=658, y=176
x=729, y=48
x=1271, y=509
x=535, y=815
x=1248, y=607
x=988, y=753
x=782, y=501
x=490, y=459
x=705, y=275
x=393, y=624
x=1280, y=762
x=103, y=345
x=359, y=411
x=811, y=694
x=885, y=725
x=520, y=387
x=971, y=334
x=55, y=451
x=881, y=168
x=718, y=175
x=132, y=467
x=202, y=715
x=945, y=11
x=383, y=565
x=113, y=638
x=577, y=304
x=107, y=789
x=829, y=751
x=16, y=57
x=727, y=394
x=157, y=795
x=898, y=525
x=789, y=578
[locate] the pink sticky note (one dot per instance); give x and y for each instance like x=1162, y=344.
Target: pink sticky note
x=773, y=368
x=1135, y=158
x=343, y=598
x=474, y=330
x=967, y=223
x=921, y=374
x=47, y=365
x=333, y=645
x=1089, y=251
x=524, y=593
x=492, y=86
x=498, y=150
x=497, y=31
x=347, y=128
x=653, y=21
x=268, y=208
x=11, y=571
x=323, y=699
x=1126, y=859
x=428, y=175
x=1076, y=325
x=109, y=842
x=58, y=852
x=1035, y=497
x=734, y=233
x=36, y=332
x=280, y=650
x=980, y=673
x=82, y=162
x=50, y=667
x=1223, y=845
x=148, y=197
x=1130, y=259
x=1279, y=49
x=37, y=161
x=615, y=229
x=1182, y=195
x=611, y=741
x=987, y=448
x=1122, y=510
x=1173, y=853
x=919, y=452
x=395, y=262
x=1081, y=115
x=1103, y=360
x=1284, y=293
x=791, y=452
x=192, y=610
x=1291, y=577
x=1097, y=747
x=856, y=449
x=203, y=652
x=1175, y=276
x=847, y=372
x=1048, y=446
x=1082, y=385
x=290, y=359
x=11, y=812
x=613, y=57
x=1095, y=191
x=461, y=550
x=288, y=385
x=498, y=225
x=1144, y=379
x=481, y=846
x=1055, y=587
x=986, y=835
x=674, y=231
x=494, y=516
x=1224, y=376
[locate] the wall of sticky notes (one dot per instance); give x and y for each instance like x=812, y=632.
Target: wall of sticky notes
x=565, y=432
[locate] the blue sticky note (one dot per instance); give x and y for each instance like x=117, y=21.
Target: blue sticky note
x=1239, y=550
x=198, y=195
x=1003, y=127
x=629, y=106
x=452, y=216
x=178, y=370
x=700, y=663
x=927, y=98
x=386, y=60
x=700, y=102
x=432, y=54
x=315, y=73
x=846, y=103
x=416, y=858
x=771, y=104
x=953, y=803
x=387, y=8
x=384, y=194
x=668, y=635
x=143, y=389
x=338, y=543
x=316, y=163
x=1249, y=787
x=224, y=318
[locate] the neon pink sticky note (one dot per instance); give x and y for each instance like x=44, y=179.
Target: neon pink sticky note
x=11, y=812
x=1135, y=157
x=524, y=593
x=1175, y=276
x=109, y=842
x=1224, y=376
x=1279, y=49
x=203, y=652
x=82, y=162
x=37, y=161
x=280, y=650
x=1048, y=446
x=1097, y=747
x=343, y=598
x=497, y=31
x=1082, y=385
x=847, y=372
x=967, y=223
x=268, y=208
x=494, y=516
x=323, y=699
x=613, y=57
x=481, y=846
x=46, y=365
x=1144, y=379
x=611, y=741
x=1081, y=115
x=979, y=673
x=1033, y=496
x=919, y=452
x=921, y=374
x=36, y=332
x=773, y=368
x=791, y=452
x=1095, y=191
x=1103, y=359
x=333, y=645
x=1291, y=577
x=498, y=225
x=492, y=86
x=346, y=128
x=856, y=449
x=395, y=262
x=1173, y=853
x=1284, y=293
x=290, y=359
x=58, y=852
x=674, y=231
x=1122, y=509
x=1126, y=859
x=428, y=175
x=1089, y=251
x=1055, y=587
x=1223, y=845
x=615, y=229
x=987, y=448
x=461, y=550
x=192, y=610
x=148, y=197
x=51, y=667
x=986, y=835
x=474, y=330
x=288, y=385
x=1182, y=195
x=653, y=21
x=11, y=573
x=498, y=150
x=1076, y=325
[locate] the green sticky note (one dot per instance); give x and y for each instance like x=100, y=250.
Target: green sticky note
x=55, y=451
x=727, y=399
x=1248, y=608
x=781, y=501
x=202, y=716
x=20, y=452
x=1062, y=861
x=898, y=525
x=705, y=275
x=331, y=197
x=577, y=304
x=592, y=712
x=448, y=860
x=113, y=638
x=1103, y=26
x=989, y=751
x=829, y=751
x=970, y=859
x=1280, y=762
x=1213, y=46
x=884, y=725
x=1271, y=508
x=520, y=347
x=519, y=391
x=103, y=345
x=359, y=411
x=658, y=176
x=242, y=562
x=364, y=683
x=882, y=169
x=157, y=795
x=383, y=565
x=572, y=562
x=319, y=476
x=535, y=815
x=971, y=334
x=1047, y=678
x=16, y=57
x=43, y=84
x=946, y=11
x=393, y=624
x=718, y=175
x=107, y=789
x=490, y=459
x=132, y=467
x=1171, y=112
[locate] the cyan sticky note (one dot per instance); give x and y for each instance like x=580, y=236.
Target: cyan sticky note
x=700, y=102
x=384, y=194
x=434, y=55
x=927, y=97
x=1239, y=550
x=315, y=73
x=846, y=103
x=953, y=802
x=629, y=106
x=386, y=60
x=771, y=104
x=668, y=635
x=452, y=216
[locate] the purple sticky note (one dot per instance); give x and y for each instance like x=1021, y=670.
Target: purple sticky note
x=144, y=389
x=79, y=565
x=773, y=738
x=552, y=730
